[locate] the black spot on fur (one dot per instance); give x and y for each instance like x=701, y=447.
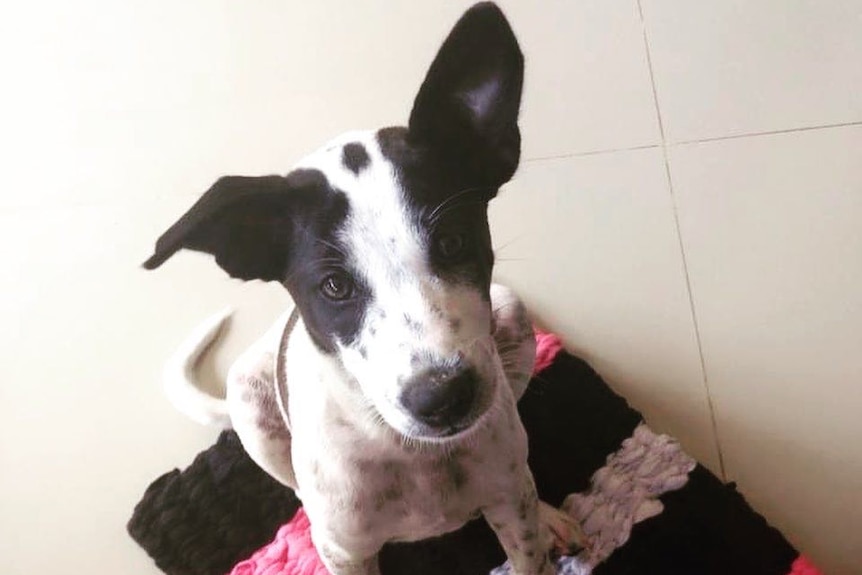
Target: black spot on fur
x=394, y=492
x=355, y=157
x=455, y=324
x=457, y=474
x=412, y=324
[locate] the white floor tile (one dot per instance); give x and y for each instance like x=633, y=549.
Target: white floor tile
x=155, y=98
x=591, y=245
x=736, y=67
x=587, y=82
x=83, y=420
x=774, y=247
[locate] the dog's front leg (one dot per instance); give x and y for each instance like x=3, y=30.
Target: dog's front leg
x=525, y=539
x=342, y=561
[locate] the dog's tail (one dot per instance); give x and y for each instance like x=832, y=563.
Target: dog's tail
x=179, y=375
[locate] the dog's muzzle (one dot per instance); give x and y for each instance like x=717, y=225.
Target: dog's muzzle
x=442, y=398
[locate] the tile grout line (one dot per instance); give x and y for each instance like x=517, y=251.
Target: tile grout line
x=692, y=308
x=767, y=133
x=665, y=144
x=591, y=153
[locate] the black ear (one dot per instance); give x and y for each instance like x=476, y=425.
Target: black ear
x=245, y=222
x=467, y=107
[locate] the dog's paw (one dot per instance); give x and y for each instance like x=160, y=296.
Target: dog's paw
x=567, y=537
x=547, y=568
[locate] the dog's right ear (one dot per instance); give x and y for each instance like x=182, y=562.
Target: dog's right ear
x=245, y=222
x=467, y=107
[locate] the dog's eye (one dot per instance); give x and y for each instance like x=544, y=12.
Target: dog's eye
x=337, y=286
x=451, y=246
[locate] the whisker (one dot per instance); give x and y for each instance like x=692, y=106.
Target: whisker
x=450, y=202
x=517, y=238
x=337, y=249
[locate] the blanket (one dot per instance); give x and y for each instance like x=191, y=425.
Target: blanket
x=648, y=506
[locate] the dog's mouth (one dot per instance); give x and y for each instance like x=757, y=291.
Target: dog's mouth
x=446, y=432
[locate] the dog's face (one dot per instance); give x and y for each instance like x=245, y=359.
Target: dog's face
x=382, y=237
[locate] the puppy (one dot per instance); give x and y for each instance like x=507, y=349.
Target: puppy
x=387, y=399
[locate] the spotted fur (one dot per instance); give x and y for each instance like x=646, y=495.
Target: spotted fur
x=387, y=401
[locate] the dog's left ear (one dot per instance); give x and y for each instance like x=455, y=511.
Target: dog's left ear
x=467, y=107
x=245, y=222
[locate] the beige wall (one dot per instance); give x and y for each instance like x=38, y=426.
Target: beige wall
x=688, y=215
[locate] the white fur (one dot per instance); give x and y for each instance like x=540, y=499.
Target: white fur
x=178, y=376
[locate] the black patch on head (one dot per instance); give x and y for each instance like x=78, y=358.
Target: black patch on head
x=317, y=253
x=355, y=157
x=277, y=228
x=462, y=143
x=444, y=200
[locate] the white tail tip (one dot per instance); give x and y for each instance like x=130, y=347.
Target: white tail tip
x=180, y=379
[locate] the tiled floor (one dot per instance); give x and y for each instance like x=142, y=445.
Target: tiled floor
x=687, y=216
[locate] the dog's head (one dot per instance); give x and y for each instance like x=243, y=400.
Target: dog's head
x=382, y=237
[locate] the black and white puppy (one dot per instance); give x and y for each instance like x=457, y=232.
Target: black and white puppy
x=385, y=401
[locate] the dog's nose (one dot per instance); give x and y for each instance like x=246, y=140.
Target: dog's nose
x=441, y=397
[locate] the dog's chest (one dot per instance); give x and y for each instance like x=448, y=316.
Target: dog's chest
x=400, y=494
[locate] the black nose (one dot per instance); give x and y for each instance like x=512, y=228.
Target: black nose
x=441, y=397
